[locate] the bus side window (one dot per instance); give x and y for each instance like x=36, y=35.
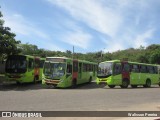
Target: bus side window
x=30, y=64
x=75, y=66
x=126, y=67
x=156, y=70
x=117, y=69
x=80, y=67
x=69, y=68
x=150, y=69
x=135, y=68
x=42, y=63
x=84, y=67
x=143, y=69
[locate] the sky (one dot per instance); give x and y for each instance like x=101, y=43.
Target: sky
x=88, y=25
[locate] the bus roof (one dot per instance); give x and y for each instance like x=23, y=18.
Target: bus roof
x=59, y=57
x=111, y=61
x=142, y=63
x=130, y=62
x=83, y=61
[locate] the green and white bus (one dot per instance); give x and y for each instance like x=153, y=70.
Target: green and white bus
x=23, y=69
x=123, y=73
x=65, y=72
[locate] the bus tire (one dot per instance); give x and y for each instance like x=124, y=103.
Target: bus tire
x=148, y=83
x=111, y=86
x=125, y=83
x=74, y=83
x=134, y=86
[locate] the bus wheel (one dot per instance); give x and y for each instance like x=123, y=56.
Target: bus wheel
x=74, y=83
x=134, y=86
x=111, y=86
x=148, y=83
x=125, y=84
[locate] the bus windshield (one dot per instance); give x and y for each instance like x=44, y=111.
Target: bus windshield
x=54, y=70
x=105, y=69
x=16, y=64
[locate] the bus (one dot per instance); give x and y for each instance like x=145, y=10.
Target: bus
x=65, y=72
x=123, y=73
x=23, y=69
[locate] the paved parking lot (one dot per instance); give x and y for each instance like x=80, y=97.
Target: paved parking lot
x=87, y=97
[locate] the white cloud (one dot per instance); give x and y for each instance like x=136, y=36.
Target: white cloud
x=118, y=19
x=21, y=26
x=141, y=39
x=134, y=40
x=71, y=33
x=93, y=13
x=77, y=38
x=112, y=45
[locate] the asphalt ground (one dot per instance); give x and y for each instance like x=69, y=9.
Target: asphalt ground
x=86, y=97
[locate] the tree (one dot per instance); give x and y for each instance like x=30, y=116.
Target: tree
x=155, y=57
x=8, y=43
x=142, y=58
x=28, y=49
x=68, y=53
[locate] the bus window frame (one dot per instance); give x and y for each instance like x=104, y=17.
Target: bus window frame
x=135, y=69
x=114, y=68
x=30, y=67
x=37, y=63
x=124, y=68
x=69, y=69
x=143, y=70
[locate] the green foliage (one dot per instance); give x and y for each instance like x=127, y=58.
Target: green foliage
x=28, y=49
x=151, y=54
x=154, y=52
x=8, y=44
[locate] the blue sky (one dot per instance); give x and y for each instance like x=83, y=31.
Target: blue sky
x=89, y=25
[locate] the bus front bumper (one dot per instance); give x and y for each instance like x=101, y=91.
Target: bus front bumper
x=106, y=81
x=54, y=82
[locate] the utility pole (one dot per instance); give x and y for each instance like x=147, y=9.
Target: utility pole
x=73, y=53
